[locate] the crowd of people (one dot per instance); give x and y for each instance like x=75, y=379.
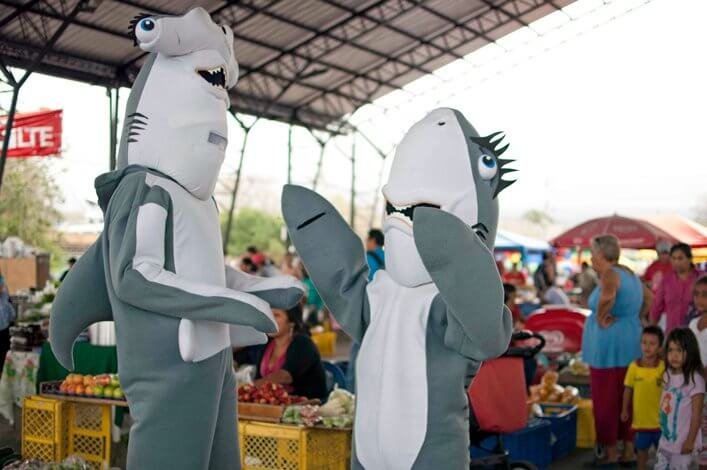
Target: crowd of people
x=647, y=392
x=647, y=380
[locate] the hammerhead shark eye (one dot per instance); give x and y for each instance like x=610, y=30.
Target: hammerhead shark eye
x=487, y=167
x=147, y=30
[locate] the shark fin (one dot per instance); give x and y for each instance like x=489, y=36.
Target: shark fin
x=82, y=299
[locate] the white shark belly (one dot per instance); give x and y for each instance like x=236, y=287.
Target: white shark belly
x=391, y=376
x=198, y=257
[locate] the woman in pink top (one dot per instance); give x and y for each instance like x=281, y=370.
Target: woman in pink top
x=675, y=291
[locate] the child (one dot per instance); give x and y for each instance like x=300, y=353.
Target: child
x=681, y=402
x=699, y=328
x=643, y=386
x=509, y=298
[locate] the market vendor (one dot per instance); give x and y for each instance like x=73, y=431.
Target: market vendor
x=289, y=358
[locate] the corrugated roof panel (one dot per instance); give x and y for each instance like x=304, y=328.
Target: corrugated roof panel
x=87, y=52
x=384, y=41
x=270, y=31
x=313, y=13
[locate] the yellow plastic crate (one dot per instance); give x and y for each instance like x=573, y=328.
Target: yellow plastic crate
x=586, y=434
x=43, y=429
x=266, y=446
x=89, y=433
x=326, y=343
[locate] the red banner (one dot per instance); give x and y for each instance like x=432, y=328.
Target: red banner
x=34, y=134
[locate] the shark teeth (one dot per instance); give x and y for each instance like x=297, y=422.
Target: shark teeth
x=216, y=76
x=405, y=212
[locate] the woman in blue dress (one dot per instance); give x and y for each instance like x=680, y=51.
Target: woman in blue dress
x=611, y=341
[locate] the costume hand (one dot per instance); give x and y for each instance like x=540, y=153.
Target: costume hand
x=624, y=416
x=687, y=448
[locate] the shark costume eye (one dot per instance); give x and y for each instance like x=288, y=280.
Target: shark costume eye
x=147, y=30
x=487, y=167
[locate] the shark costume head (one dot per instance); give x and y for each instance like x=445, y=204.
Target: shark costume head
x=176, y=114
x=441, y=162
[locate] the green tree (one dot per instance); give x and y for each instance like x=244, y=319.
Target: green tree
x=28, y=204
x=255, y=227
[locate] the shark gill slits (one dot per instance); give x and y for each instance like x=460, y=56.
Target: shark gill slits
x=481, y=230
x=482, y=226
x=311, y=220
x=407, y=211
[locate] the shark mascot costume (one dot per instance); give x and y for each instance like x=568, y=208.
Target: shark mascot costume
x=157, y=269
x=428, y=319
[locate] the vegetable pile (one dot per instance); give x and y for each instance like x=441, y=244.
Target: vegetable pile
x=267, y=394
x=338, y=412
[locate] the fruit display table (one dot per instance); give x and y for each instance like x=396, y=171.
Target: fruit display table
x=19, y=380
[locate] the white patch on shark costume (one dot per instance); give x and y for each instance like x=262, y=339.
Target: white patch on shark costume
x=391, y=371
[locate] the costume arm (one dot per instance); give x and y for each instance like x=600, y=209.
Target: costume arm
x=333, y=255
x=478, y=323
x=142, y=276
x=281, y=292
x=82, y=300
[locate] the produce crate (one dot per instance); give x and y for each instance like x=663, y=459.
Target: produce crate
x=89, y=436
x=326, y=343
x=266, y=446
x=586, y=433
x=563, y=421
x=531, y=444
x=260, y=412
x=43, y=429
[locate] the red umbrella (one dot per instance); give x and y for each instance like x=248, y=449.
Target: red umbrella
x=632, y=233
x=685, y=230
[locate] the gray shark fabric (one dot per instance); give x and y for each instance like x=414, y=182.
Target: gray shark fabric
x=426, y=321
x=157, y=270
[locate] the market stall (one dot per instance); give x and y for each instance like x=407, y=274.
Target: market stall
x=278, y=430
x=72, y=417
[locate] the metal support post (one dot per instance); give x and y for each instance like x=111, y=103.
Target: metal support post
x=352, y=212
x=234, y=192
x=16, y=85
x=113, y=103
x=289, y=155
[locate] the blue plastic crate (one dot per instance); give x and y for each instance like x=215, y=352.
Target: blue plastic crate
x=531, y=444
x=563, y=421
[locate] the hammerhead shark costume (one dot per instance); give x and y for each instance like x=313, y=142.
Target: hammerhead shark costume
x=428, y=319
x=157, y=269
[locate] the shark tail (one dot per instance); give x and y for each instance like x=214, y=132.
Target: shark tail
x=82, y=299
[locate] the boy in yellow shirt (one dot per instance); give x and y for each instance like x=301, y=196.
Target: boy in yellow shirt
x=643, y=385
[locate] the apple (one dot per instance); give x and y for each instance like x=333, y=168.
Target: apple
x=118, y=393
x=114, y=382
x=79, y=389
x=98, y=390
x=108, y=391
x=103, y=379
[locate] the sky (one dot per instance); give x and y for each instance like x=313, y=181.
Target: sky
x=603, y=105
